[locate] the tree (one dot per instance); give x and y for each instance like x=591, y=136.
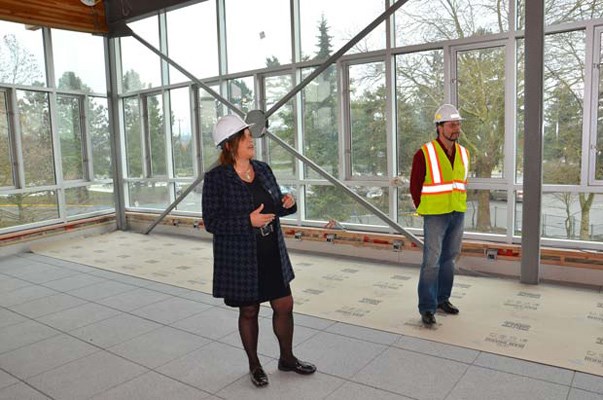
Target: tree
x=133, y=126
x=155, y=123
x=420, y=91
x=17, y=65
x=36, y=138
x=481, y=99
x=240, y=95
x=319, y=102
x=324, y=40
x=562, y=153
x=320, y=114
x=368, y=133
x=281, y=124
x=100, y=137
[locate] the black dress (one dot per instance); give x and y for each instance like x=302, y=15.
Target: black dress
x=270, y=275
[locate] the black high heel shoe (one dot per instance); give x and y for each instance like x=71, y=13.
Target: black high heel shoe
x=258, y=377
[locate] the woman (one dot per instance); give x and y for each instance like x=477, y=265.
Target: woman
x=242, y=204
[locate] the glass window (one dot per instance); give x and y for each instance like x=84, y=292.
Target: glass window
x=240, y=93
x=326, y=26
x=486, y=211
x=281, y=124
x=325, y=202
x=320, y=113
x=79, y=61
x=27, y=208
x=481, y=99
x=194, y=24
x=156, y=131
x=560, y=11
x=100, y=137
x=564, y=56
x=259, y=34
x=140, y=67
x=367, y=114
x=208, y=116
x=21, y=55
x=407, y=213
x=6, y=167
x=419, y=93
x=378, y=196
x=182, y=139
x=420, y=21
x=149, y=195
x=36, y=138
x=70, y=136
x=519, y=110
x=566, y=215
x=599, y=139
x=133, y=132
x=88, y=199
x=192, y=202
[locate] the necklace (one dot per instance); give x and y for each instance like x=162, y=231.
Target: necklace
x=246, y=173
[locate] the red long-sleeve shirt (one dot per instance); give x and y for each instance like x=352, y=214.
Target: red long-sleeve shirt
x=418, y=171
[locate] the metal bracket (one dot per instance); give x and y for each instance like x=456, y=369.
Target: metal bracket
x=397, y=245
x=491, y=254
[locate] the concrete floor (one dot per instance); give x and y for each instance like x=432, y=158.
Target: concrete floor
x=70, y=331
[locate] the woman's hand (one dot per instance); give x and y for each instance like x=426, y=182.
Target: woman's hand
x=258, y=219
x=288, y=200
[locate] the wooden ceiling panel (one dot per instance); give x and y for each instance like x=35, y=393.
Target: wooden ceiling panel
x=62, y=14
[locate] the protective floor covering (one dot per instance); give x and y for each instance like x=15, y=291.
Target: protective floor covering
x=553, y=325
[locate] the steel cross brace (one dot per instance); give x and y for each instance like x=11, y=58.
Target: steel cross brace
x=380, y=214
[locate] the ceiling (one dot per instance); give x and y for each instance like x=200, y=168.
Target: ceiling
x=106, y=17
x=63, y=14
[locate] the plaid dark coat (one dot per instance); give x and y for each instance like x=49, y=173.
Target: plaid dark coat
x=227, y=203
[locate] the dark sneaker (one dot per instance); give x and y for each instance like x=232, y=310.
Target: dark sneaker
x=448, y=308
x=428, y=318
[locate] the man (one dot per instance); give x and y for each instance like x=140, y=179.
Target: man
x=438, y=185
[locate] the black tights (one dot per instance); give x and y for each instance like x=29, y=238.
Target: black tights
x=282, y=324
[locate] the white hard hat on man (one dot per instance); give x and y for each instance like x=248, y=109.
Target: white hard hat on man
x=227, y=126
x=447, y=112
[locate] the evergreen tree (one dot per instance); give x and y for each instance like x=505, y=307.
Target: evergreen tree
x=324, y=40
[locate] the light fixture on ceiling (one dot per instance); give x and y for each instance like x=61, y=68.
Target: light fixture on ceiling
x=90, y=3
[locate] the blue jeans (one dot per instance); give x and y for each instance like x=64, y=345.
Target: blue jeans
x=442, y=237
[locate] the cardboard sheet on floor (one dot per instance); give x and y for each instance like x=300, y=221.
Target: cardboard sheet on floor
x=554, y=325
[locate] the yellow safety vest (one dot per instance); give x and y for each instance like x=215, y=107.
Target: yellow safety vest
x=445, y=186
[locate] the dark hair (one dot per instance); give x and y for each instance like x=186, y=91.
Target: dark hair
x=230, y=147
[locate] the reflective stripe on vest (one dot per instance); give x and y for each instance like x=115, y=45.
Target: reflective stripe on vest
x=445, y=186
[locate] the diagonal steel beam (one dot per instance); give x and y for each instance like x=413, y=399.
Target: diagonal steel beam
x=380, y=214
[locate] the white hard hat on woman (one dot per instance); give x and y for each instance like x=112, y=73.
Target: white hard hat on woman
x=227, y=126
x=447, y=112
